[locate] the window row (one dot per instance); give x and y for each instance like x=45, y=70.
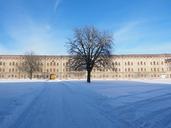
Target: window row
x=116, y=63
x=157, y=69
x=52, y=64
x=2, y=70
x=2, y=63
x=157, y=63
x=144, y=63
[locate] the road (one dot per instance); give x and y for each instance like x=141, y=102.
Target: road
x=66, y=106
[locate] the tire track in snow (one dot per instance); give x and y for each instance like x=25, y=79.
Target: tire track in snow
x=27, y=109
x=91, y=98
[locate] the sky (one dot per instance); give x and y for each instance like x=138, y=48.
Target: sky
x=44, y=26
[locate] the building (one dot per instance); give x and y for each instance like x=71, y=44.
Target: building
x=146, y=66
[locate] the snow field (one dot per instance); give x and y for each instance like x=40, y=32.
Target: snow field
x=76, y=104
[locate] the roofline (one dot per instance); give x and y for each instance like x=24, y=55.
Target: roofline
x=114, y=55
x=140, y=55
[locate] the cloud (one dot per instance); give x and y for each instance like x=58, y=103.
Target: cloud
x=127, y=32
x=145, y=48
x=57, y=4
x=34, y=36
x=3, y=49
x=139, y=37
x=161, y=47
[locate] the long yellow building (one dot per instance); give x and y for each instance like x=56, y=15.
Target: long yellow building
x=147, y=66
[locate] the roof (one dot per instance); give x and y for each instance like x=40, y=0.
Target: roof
x=66, y=56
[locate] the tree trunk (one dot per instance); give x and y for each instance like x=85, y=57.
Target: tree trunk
x=88, y=76
x=31, y=75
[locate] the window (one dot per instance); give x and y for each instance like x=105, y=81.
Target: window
x=125, y=70
x=141, y=63
x=141, y=69
x=154, y=63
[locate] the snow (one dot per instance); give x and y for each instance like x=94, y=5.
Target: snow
x=76, y=104
x=26, y=80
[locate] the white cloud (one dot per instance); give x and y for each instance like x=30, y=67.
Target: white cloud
x=57, y=3
x=148, y=48
x=3, y=49
x=40, y=38
x=127, y=32
x=161, y=47
x=136, y=37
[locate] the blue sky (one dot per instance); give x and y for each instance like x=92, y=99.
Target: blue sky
x=43, y=26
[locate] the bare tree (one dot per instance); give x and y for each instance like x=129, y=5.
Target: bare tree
x=31, y=64
x=90, y=48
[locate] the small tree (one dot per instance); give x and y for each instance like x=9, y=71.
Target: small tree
x=90, y=48
x=31, y=64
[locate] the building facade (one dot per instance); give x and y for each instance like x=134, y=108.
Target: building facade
x=146, y=66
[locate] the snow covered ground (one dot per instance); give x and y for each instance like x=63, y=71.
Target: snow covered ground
x=76, y=104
